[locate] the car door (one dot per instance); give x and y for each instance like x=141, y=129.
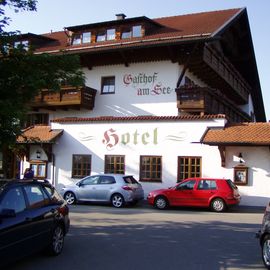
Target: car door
x=203, y=192
x=87, y=188
x=105, y=187
x=183, y=194
x=41, y=214
x=15, y=227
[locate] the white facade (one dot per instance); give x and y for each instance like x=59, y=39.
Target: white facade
x=166, y=139
x=149, y=89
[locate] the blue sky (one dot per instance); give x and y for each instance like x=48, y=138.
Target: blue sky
x=54, y=15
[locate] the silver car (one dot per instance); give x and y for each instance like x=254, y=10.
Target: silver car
x=117, y=189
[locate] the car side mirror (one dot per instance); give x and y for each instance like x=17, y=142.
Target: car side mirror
x=7, y=213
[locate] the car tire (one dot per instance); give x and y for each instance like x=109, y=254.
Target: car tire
x=70, y=197
x=266, y=251
x=117, y=200
x=218, y=205
x=57, y=241
x=161, y=203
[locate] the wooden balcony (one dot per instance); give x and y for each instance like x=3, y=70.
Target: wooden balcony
x=204, y=100
x=65, y=99
x=228, y=72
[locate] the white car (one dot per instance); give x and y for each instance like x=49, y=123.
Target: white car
x=117, y=189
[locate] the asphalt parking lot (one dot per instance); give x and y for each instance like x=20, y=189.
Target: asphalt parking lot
x=103, y=238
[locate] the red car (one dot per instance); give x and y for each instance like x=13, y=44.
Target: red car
x=217, y=194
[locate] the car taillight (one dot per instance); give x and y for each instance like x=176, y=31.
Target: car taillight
x=127, y=188
x=64, y=210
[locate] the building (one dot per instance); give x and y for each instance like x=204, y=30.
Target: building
x=156, y=92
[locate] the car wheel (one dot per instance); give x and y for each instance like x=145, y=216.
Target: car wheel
x=117, y=200
x=70, y=197
x=218, y=205
x=161, y=203
x=266, y=251
x=57, y=241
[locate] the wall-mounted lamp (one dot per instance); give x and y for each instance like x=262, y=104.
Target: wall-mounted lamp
x=240, y=156
x=38, y=154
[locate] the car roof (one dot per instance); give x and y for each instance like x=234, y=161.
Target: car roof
x=9, y=182
x=205, y=178
x=110, y=174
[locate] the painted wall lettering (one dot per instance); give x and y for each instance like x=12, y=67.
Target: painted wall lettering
x=146, y=84
x=112, y=138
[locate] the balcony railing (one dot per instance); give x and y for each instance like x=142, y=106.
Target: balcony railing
x=228, y=72
x=204, y=100
x=66, y=98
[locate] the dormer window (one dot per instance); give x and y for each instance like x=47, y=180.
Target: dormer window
x=126, y=34
x=24, y=44
x=137, y=31
x=110, y=34
x=86, y=37
x=81, y=38
x=101, y=36
x=76, y=39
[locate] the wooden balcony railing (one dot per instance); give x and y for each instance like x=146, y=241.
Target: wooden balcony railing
x=204, y=100
x=228, y=72
x=66, y=98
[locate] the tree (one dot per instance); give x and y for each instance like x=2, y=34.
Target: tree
x=23, y=74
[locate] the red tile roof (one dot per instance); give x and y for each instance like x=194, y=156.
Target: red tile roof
x=39, y=134
x=137, y=118
x=239, y=134
x=176, y=28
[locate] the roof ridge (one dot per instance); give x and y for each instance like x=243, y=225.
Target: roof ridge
x=196, y=13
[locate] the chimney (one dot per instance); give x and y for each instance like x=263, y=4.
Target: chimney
x=120, y=16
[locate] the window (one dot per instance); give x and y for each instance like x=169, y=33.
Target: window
x=86, y=37
x=37, y=118
x=207, y=185
x=39, y=169
x=101, y=36
x=106, y=180
x=81, y=38
x=53, y=194
x=126, y=34
x=188, y=167
x=114, y=164
x=110, y=34
x=91, y=180
x=81, y=166
x=189, y=185
x=108, y=85
x=22, y=44
x=150, y=168
x=14, y=199
x=36, y=196
x=76, y=39
x=137, y=31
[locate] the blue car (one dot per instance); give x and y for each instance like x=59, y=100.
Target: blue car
x=33, y=217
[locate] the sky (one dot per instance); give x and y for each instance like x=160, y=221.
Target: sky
x=54, y=15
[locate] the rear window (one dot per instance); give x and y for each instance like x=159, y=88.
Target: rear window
x=53, y=194
x=130, y=180
x=231, y=184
